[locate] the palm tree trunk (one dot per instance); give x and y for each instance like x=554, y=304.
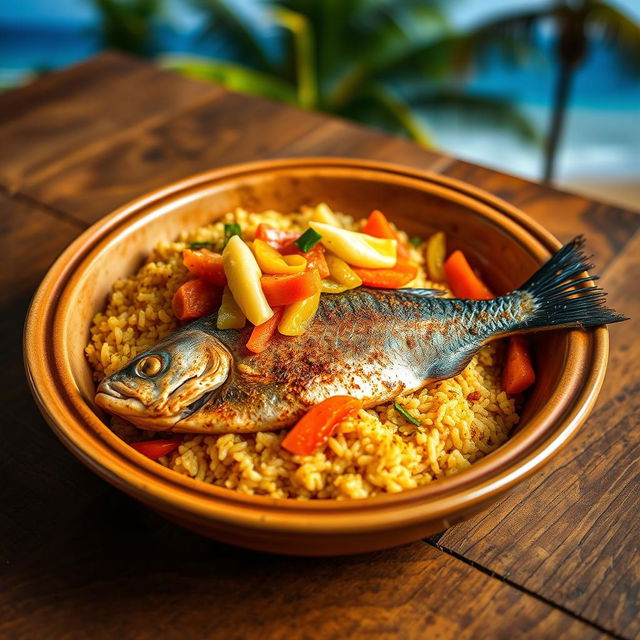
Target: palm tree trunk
x=560, y=99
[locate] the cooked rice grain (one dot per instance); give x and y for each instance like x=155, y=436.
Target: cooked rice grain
x=378, y=451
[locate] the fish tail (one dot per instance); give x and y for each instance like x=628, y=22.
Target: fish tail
x=564, y=298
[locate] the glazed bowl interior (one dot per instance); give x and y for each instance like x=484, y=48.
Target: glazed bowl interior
x=505, y=245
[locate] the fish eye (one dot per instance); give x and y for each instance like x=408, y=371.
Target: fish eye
x=149, y=366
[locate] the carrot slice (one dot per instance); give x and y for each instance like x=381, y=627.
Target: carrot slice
x=206, y=265
x=283, y=290
x=518, y=373
x=195, y=298
x=155, y=449
x=402, y=274
x=462, y=279
x=314, y=257
x=277, y=238
x=319, y=423
x=378, y=226
x=262, y=333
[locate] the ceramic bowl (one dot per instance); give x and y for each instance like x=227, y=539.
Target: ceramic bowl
x=506, y=244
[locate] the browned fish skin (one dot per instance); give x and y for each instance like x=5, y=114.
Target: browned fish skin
x=368, y=343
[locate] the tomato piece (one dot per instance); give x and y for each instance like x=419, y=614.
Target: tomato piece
x=402, y=274
x=206, y=265
x=319, y=423
x=262, y=333
x=196, y=298
x=276, y=238
x=155, y=449
x=283, y=290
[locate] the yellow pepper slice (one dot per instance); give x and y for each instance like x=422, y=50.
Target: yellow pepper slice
x=342, y=273
x=230, y=315
x=297, y=317
x=324, y=214
x=329, y=285
x=436, y=252
x=243, y=278
x=273, y=262
x=358, y=249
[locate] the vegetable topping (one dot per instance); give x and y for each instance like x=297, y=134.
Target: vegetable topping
x=318, y=424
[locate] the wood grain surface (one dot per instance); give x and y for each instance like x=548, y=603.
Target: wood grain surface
x=558, y=558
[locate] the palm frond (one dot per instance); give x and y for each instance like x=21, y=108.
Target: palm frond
x=387, y=109
x=619, y=32
x=126, y=24
x=302, y=34
x=486, y=109
x=232, y=76
x=246, y=28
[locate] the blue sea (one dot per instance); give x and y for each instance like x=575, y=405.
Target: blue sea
x=601, y=144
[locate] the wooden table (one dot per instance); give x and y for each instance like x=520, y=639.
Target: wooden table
x=558, y=558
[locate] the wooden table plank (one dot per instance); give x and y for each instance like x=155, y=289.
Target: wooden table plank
x=48, y=124
x=214, y=133
x=153, y=579
x=568, y=533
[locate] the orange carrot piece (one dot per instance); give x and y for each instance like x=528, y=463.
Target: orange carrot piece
x=283, y=290
x=402, y=274
x=378, y=226
x=276, y=238
x=262, y=333
x=195, y=298
x=518, y=373
x=206, y=265
x=462, y=279
x=318, y=424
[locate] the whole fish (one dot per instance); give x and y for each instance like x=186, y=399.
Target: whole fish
x=368, y=343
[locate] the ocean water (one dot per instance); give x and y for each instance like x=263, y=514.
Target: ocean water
x=602, y=135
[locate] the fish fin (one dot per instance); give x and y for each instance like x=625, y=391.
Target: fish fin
x=564, y=299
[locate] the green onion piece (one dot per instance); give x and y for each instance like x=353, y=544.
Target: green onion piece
x=202, y=245
x=307, y=240
x=416, y=241
x=231, y=230
x=403, y=412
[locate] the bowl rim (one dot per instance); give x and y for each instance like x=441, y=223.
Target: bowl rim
x=82, y=431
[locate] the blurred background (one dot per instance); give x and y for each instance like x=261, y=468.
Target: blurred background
x=545, y=90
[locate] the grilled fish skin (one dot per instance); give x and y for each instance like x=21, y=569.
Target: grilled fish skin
x=368, y=343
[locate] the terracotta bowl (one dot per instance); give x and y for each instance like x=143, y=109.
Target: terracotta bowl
x=506, y=244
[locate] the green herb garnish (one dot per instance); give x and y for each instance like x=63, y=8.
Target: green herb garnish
x=202, y=245
x=416, y=241
x=307, y=240
x=231, y=230
x=403, y=412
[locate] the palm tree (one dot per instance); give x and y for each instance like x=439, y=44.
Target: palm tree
x=382, y=62
x=575, y=23
x=127, y=24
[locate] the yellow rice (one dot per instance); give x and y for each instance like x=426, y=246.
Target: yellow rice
x=378, y=451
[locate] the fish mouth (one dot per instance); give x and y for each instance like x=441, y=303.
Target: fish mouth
x=130, y=408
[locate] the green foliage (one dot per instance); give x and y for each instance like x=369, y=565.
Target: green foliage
x=361, y=59
x=127, y=24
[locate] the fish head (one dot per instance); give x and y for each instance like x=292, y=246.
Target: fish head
x=166, y=383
